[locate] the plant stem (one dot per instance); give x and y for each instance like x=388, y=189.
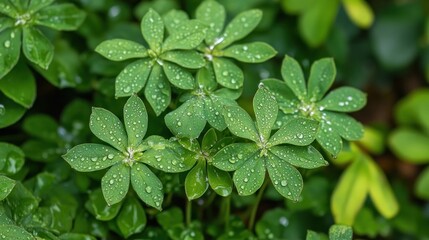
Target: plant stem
x=227, y=211
x=256, y=205
x=188, y=213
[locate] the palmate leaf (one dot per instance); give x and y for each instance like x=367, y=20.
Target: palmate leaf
x=108, y=128
x=10, y=50
x=213, y=107
x=240, y=26
x=329, y=139
x=35, y=5
x=266, y=109
x=255, y=52
x=133, y=78
x=98, y=206
x=7, y=185
x=212, y=14
x=188, y=120
x=174, y=19
x=250, y=176
x=90, y=157
x=36, y=47
x=60, y=17
x=121, y=49
x=136, y=120
x=286, y=179
x=147, y=185
x=14, y=232
x=346, y=126
x=344, y=99
x=115, y=183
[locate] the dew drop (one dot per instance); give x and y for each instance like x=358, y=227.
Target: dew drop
x=127, y=89
x=283, y=183
x=7, y=44
x=111, y=181
x=148, y=189
x=110, y=156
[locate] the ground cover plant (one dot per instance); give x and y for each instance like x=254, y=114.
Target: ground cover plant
x=210, y=119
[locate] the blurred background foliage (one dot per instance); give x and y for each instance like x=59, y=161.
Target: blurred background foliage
x=379, y=46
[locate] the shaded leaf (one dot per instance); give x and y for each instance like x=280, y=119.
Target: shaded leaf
x=36, y=47
x=7, y=185
x=196, y=183
x=9, y=50
x=132, y=218
x=64, y=16
x=410, y=145
x=219, y=181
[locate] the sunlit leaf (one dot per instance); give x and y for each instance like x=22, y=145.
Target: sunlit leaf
x=121, y=49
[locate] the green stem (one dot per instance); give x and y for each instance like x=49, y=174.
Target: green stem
x=256, y=205
x=188, y=213
x=227, y=211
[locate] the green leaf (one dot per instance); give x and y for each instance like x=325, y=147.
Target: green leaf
x=196, y=181
x=266, y=109
x=233, y=156
x=284, y=95
x=147, y=185
x=132, y=218
x=350, y=193
x=212, y=14
x=185, y=58
x=76, y=236
x=99, y=208
x=121, y=49
x=158, y=90
x=115, y=183
x=19, y=85
x=10, y=49
x=60, y=17
x=90, y=157
x=286, y=179
x=219, y=181
x=329, y=139
x=206, y=78
x=36, y=5
x=322, y=75
x=188, y=120
x=14, y=232
x=108, y=128
x=152, y=28
x=7, y=185
x=6, y=22
x=37, y=48
x=346, y=126
x=250, y=176
x=188, y=36
x=42, y=151
x=178, y=76
x=213, y=108
x=240, y=123
x=297, y=131
x=255, y=52
x=8, y=10
x=422, y=184
x=133, y=78
x=380, y=191
x=10, y=112
x=304, y=157
x=136, y=120
x=296, y=6
x=174, y=19
x=311, y=235
x=293, y=76
x=344, y=99
x=34, y=123
x=315, y=23
x=11, y=159
x=227, y=73
x=240, y=27
x=165, y=155
x=209, y=140
x=359, y=12
x=410, y=145
x=340, y=232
